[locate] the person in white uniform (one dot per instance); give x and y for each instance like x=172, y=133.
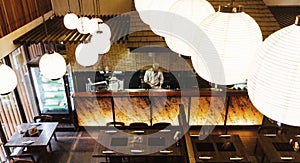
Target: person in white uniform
x=154, y=77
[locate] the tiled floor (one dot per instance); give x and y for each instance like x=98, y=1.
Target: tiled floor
x=77, y=147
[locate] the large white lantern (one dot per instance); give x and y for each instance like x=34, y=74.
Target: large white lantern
x=52, y=65
x=236, y=36
x=83, y=25
x=94, y=25
x=274, y=81
x=100, y=44
x=70, y=21
x=8, y=80
x=194, y=11
x=142, y=6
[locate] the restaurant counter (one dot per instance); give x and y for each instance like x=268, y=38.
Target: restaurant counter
x=204, y=106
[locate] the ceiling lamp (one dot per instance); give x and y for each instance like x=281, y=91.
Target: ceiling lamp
x=95, y=22
x=83, y=25
x=85, y=55
x=236, y=36
x=52, y=65
x=83, y=22
x=274, y=82
x=194, y=11
x=70, y=19
x=147, y=8
x=8, y=80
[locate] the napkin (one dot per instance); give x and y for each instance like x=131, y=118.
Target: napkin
x=111, y=131
x=270, y=135
x=236, y=158
x=108, y=152
x=138, y=131
x=165, y=151
x=287, y=158
x=205, y=157
x=136, y=151
x=28, y=142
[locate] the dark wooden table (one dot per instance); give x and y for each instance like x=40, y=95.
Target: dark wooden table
x=125, y=143
x=219, y=148
x=46, y=131
x=276, y=148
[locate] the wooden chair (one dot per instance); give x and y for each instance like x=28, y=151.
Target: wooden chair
x=22, y=161
x=30, y=155
x=138, y=125
x=269, y=130
x=161, y=125
x=44, y=118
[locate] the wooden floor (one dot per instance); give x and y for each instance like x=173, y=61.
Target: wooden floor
x=77, y=147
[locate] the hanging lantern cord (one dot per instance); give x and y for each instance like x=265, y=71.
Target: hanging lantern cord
x=297, y=21
x=69, y=6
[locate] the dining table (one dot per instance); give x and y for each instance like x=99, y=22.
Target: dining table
x=277, y=148
x=218, y=148
x=41, y=139
x=142, y=143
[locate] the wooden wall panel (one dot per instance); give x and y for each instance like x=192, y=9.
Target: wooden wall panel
x=16, y=13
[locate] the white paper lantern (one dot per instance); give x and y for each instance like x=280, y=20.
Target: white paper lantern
x=105, y=29
x=70, y=21
x=85, y=56
x=193, y=10
x=8, y=80
x=83, y=25
x=236, y=37
x=152, y=6
x=94, y=25
x=100, y=44
x=274, y=82
x=52, y=66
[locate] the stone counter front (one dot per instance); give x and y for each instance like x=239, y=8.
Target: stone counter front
x=204, y=107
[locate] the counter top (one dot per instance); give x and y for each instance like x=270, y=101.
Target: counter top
x=161, y=92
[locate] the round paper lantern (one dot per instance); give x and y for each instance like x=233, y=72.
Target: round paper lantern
x=274, y=82
x=8, y=80
x=85, y=56
x=94, y=25
x=70, y=21
x=236, y=36
x=83, y=25
x=52, y=65
x=100, y=44
x=152, y=6
x=105, y=29
x=193, y=10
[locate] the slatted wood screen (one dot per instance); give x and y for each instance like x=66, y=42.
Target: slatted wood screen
x=10, y=116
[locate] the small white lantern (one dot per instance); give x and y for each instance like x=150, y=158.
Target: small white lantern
x=94, y=25
x=83, y=25
x=85, y=55
x=8, y=80
x=274, y=82
x=52, y=65
x=194, y=11
x=70, y=21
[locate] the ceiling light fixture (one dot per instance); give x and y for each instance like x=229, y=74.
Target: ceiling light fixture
x=274, y=83
x=8, y=80
x=236, y=37
x=70, y=19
